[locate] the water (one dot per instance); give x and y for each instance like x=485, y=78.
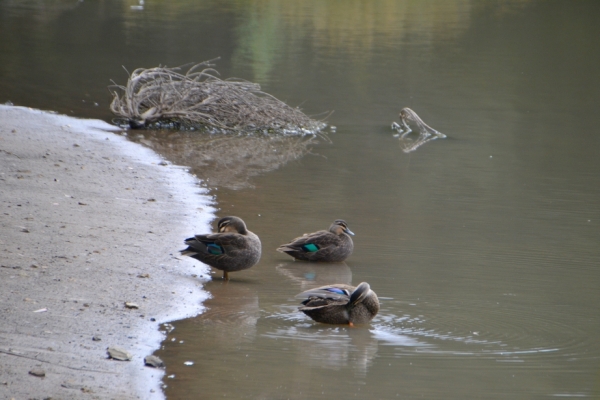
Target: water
x=483, y=246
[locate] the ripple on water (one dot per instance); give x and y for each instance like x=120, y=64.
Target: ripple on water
x=509, y=333
x=505, y=333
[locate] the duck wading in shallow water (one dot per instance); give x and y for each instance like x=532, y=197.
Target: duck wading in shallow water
x=232, y=248
x=340, y=304
x=334, y=245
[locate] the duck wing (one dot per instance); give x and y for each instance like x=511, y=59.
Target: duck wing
x=326, y=296
x=311, y=242
x=215, y=244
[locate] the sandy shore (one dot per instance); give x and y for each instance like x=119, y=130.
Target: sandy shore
x=89, y=221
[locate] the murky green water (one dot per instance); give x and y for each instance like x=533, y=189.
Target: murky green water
x=483, y=247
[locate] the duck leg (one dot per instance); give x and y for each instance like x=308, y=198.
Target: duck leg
x=226, y=275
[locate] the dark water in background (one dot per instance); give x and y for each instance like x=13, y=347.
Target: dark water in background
x=483, y=247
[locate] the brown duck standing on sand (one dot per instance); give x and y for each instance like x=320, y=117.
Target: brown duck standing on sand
x=232, y=248
x=340, y=304
x=333, y=245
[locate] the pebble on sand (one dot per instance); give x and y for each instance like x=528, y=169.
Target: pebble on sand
x=117, y=353
x=153, y=361
x=37, y=372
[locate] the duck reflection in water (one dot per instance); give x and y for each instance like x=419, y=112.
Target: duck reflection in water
x=231, y=314
x=328, y=347
x=312, y=275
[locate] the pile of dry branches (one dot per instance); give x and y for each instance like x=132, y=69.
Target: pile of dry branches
x=165, y=97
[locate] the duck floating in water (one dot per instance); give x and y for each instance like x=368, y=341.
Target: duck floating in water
x=340, y=304
x=333, y=245
x=232, y=248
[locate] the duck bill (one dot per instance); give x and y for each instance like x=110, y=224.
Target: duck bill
x=348, y=231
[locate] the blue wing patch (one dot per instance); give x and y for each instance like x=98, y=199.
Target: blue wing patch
x=310, y=247
x=214, y=249
x=337, y=290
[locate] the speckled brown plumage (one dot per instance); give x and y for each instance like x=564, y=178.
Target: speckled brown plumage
x=232, y=248
x=333, y=245
x=340, y=304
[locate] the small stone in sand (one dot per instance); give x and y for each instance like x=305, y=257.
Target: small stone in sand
x=117, y=353
x=153, y=361
x=37, y=372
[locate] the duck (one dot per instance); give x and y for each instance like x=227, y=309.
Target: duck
x=333, y=245
x=232, y=248
x=340, y=304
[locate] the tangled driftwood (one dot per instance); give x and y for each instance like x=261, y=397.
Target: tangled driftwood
x=167, y=98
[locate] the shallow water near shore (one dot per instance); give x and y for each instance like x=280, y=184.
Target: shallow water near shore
x=482, y=247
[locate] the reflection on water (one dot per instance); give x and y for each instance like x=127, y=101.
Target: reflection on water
x=229, y=322
x=310, y=275
x=39, y=10
x=231, y=313
x=227, y=160
x=267, y=29
x=332, y=348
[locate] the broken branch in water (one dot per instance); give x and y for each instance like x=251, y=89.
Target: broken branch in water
x=425, y=133
x=201, y=99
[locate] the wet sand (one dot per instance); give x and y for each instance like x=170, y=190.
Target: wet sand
x=89, y=221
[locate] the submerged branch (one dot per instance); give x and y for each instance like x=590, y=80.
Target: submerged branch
x=424, y=132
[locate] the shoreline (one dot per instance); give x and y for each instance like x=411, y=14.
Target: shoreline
x=90, y=221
